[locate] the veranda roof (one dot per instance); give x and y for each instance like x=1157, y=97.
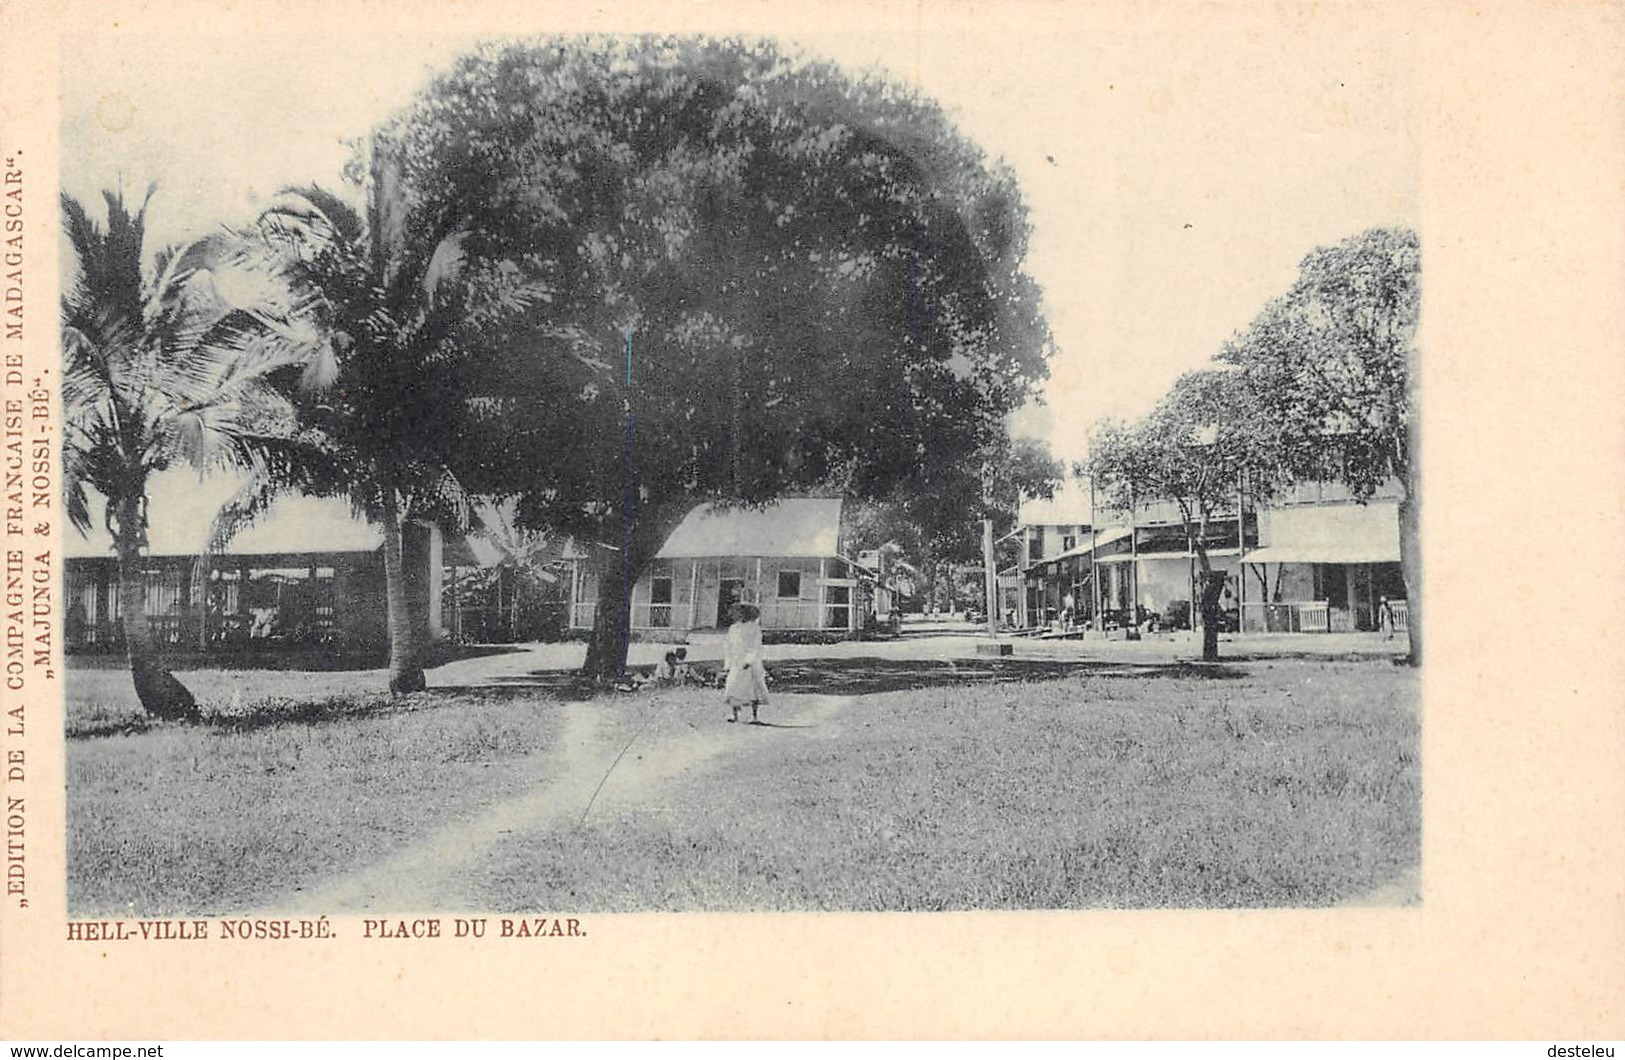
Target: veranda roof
x=1127, y=557
x=1338, y=533
x=1100, y=540
x=1338, y=552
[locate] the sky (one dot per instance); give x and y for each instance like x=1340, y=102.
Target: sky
x=1175, y=177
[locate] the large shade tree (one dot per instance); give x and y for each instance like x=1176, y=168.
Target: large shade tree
x=1333, y=361
x=761, y=276
x=173, y=362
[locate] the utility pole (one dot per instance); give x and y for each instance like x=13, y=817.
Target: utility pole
x=1241, y=550
x=990, y=570
x=1095, y=598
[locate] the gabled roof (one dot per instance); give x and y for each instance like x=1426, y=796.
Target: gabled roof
x=807, y=527
x=181, y=506
x=1069, y=507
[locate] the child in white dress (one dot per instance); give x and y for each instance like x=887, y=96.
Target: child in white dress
x=747, y=678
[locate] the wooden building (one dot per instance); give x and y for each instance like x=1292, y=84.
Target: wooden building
x=308, y=574
x=786, y=558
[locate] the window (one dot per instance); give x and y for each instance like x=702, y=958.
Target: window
x=839, y=615
x=789, y=584
x=1035, y=545
x=660, y=601
x=1068, y=543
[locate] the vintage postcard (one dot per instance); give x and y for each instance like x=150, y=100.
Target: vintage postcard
x=873, y=521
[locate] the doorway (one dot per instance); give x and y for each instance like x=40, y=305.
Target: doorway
x=729, y=592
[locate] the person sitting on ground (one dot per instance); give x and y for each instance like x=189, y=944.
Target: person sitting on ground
x=673, y=669
x=682, y=673
x=747, y=678
x=666, y=669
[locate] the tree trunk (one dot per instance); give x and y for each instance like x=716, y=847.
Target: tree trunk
x=1410, y=565
x=612, y=624
x=611, y=628
x=160, y=693
x=405, y=663
x=1212, y=590
x=1410, y=515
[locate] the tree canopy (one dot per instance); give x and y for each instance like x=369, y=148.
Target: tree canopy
x=1333, y=363
x=759, y=276
x=1195, y=449
x=1330, y=360
x=1319, y=387
x=382, y=397
x=174, y=364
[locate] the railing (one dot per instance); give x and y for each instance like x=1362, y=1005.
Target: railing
x=776, y=614
x=1307, y=616
x=790, y=614
x=653, y=616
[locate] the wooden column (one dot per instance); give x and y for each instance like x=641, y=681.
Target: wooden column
x=823, y=593
x=693, y=591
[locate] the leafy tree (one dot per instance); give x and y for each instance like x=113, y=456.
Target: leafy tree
x=762, y=276
x=385, y=377
x=941, y=529
x=1193, y=449
x=174, y=365
x=1333, y=361
x=1025, y=470
x=524, y=581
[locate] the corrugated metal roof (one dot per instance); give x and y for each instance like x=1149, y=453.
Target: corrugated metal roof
x=180, y=507
x=808, y=527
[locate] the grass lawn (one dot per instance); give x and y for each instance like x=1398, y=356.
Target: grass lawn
x=1287, y=783
x=1292, y=784
x=276, y=793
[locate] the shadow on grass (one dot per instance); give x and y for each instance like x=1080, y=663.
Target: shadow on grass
x=863, y=676
x=312, y=660
x=830, y=676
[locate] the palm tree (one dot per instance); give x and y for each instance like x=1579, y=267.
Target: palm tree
x=388, y=377
x=179, y=364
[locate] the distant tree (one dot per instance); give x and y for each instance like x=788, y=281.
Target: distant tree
x=1193, y=449
x=174, y=365
x=1333, y=361
x=1025, y=470
x=763, y=276
x=943, y=529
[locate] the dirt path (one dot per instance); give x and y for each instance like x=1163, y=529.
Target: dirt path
x=588, y=772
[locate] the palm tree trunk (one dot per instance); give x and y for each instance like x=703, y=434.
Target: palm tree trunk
x=160, y=693
x=405, y=665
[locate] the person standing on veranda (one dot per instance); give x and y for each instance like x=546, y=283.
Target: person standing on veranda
x=747, y=677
